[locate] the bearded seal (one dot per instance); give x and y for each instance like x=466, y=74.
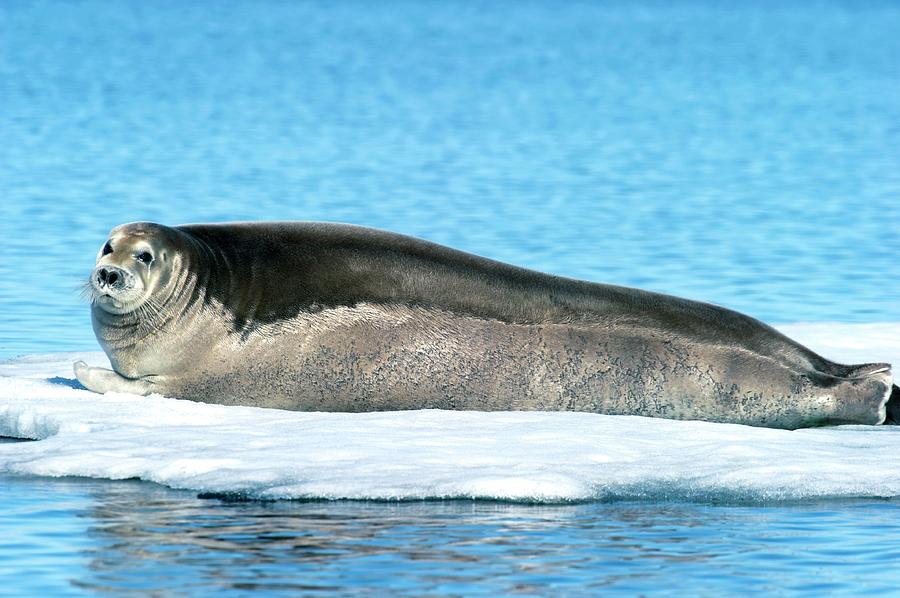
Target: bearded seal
x=335, y=317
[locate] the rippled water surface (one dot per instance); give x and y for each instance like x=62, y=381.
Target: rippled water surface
x=746, y=154
x=90, y=536
x=742, y=153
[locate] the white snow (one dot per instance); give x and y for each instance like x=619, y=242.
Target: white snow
x=262, y=453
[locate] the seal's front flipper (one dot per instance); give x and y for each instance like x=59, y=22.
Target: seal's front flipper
x=102, y=380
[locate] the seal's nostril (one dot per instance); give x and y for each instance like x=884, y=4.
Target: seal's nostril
x=112, y=278
x=102, y=274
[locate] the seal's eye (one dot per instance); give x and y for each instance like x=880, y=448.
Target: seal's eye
x=107, y=249
x=145, y=257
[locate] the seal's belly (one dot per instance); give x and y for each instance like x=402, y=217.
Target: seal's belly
x=441, y=361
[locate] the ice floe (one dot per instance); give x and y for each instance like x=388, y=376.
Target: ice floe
x=545, y=457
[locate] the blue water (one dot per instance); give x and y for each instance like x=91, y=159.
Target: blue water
x=82, y=536
x=742, y=153
x=745, y=155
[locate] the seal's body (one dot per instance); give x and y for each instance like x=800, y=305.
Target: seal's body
x=333, y=317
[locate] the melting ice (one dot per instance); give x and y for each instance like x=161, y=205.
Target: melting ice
x=547, y=457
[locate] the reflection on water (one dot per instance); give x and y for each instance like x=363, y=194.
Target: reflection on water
x=136, y=536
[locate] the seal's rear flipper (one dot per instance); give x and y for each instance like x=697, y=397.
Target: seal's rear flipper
x=893, y=407
x=857, y=372
x=864, y=393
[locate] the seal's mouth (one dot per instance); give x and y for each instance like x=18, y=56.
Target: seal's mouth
x=107, y=299
x=118, y=303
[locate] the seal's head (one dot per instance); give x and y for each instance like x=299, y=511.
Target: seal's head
x=133, y=263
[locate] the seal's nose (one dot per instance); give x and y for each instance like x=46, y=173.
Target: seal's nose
x=110, y=276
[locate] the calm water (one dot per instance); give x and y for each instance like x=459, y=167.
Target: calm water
x=89, y=536
x=746, y=155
